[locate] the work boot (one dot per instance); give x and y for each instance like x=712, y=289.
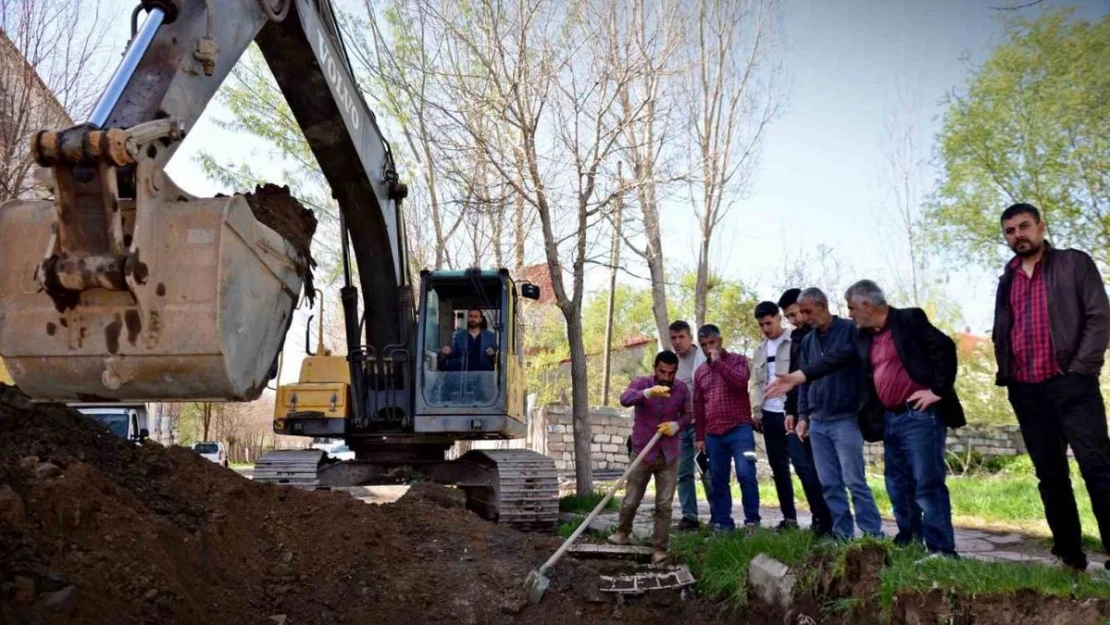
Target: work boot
x=659, y=556
x=617, y=538
x=688, y=525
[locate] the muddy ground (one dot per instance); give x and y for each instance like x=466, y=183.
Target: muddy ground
x=96, y=530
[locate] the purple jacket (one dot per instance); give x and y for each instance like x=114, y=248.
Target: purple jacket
x=651, y=412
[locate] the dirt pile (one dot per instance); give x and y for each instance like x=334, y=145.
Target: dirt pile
x=96, y=530
x=276, y=208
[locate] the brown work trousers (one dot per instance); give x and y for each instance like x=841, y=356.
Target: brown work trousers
x=666, y=480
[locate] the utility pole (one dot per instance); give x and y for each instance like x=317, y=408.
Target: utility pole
x=614, y=259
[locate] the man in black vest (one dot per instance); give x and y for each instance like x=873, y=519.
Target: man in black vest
x=909, y=396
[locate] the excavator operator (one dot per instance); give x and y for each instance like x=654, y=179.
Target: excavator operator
x=472, y=349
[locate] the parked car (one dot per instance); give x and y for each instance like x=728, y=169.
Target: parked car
x=123, y=420
x=214, y=451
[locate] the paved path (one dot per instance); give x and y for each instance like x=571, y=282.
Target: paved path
x=970, y=543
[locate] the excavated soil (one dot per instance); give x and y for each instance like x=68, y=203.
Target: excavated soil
x=275, y=207
x=96, y=530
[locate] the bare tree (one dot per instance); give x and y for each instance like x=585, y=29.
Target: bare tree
x=903, y=182
x=648, y=37
x=51, y=68
x=539, y=69
x=732, y=102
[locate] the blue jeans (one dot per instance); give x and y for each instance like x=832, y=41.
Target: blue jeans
x=687, y=486
x=838, y=453
x=915, y=472
x=723, y=450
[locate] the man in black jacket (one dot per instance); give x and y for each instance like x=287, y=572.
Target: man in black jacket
x=909, y=399
x=1051, y=328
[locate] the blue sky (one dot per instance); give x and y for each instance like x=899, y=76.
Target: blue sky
x=847, y=64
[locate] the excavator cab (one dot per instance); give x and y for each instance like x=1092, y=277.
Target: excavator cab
x=471, y=372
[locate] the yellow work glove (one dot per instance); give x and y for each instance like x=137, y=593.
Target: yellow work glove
x=658, y=391
x=668, y=428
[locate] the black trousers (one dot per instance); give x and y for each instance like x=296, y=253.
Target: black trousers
x=1062, y=411
x=784, y=449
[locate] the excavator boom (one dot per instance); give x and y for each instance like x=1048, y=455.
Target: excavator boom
x=125, y=287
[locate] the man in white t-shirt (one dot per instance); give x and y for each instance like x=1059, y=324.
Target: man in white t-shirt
x=772, y=358
x=689, y=359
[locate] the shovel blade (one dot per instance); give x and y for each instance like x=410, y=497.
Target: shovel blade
x=535, y=586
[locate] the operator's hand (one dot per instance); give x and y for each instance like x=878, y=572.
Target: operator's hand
x=445, y=351
x=668, y=428
x=921, y=400
x=783, y=384
x=802, y=429
x=489, y=351
x=788, y=423
x=658, y=391
x=699, y=446
x=757, y=424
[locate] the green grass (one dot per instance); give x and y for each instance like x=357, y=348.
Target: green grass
x=720, y=563
x=906, y=572
x=586, y=503
x=564, y=530
x=1006, y=499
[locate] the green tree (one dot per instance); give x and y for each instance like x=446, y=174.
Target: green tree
x=729, y=305
x=1031, y=126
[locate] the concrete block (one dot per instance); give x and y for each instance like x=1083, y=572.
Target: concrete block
x=568, y=438
x=557, y=428
x=560, y=465
x=617, y=439
x=602, y=438
x=771, y=581
x=597, y=457
x=560, y=446
x=610, y=448
x=595, y=447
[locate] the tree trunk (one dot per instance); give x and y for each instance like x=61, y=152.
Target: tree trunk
x=614, y=260
x=583, y=463
x=701, y=287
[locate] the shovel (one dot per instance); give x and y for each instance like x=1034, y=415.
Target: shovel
x=537, y=581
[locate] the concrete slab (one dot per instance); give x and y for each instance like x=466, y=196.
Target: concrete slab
x=1007, y=539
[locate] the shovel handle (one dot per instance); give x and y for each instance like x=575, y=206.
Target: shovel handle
x=600, y=506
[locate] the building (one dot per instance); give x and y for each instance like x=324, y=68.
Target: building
x=27, y=105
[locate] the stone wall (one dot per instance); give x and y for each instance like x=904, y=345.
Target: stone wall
x=988, y=441
x=610, y=429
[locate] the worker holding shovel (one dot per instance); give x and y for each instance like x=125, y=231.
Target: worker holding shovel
x=661, y=406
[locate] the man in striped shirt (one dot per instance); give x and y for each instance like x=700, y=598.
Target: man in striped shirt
x=723, y=421
x=661, y=405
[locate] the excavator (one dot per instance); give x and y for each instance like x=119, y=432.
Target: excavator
x=124, y=287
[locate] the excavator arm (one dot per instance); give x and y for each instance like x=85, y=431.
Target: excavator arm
x=125, y=287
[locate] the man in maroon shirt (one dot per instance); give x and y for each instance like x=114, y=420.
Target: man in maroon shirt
x=723, y=422
x=662, y=405
x=909, y=375
x=1051, y=328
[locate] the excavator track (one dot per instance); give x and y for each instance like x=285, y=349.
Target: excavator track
x=526, y=492
x=517, y=487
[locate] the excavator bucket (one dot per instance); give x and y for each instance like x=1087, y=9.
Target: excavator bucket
x=209, y=295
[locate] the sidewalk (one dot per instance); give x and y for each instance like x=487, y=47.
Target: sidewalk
x=970, y=543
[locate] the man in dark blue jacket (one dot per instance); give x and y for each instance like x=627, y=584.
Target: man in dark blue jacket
x=828, y=410
x=908, y=375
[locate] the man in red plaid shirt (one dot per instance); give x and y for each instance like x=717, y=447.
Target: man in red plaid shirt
x=723, y=420
x=1051, y=329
